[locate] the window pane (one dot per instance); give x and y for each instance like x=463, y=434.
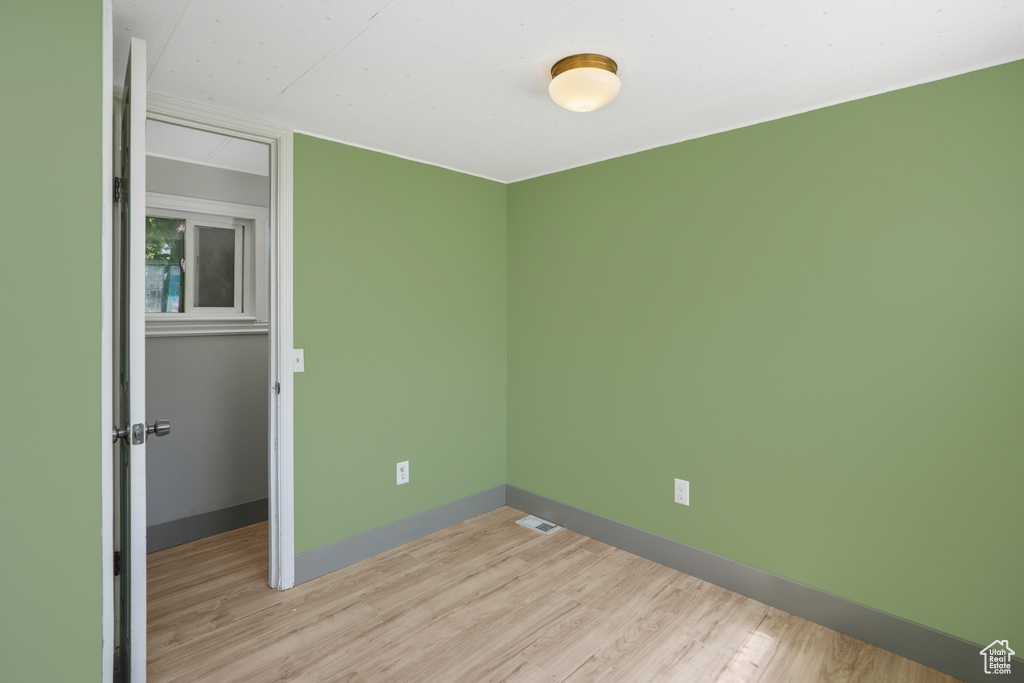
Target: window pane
x=215, y=266
x=165, y=249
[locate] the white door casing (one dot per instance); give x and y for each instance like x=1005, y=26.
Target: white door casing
x=106, y=350
x=280, y=389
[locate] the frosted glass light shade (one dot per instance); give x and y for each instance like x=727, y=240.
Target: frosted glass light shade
x=584, y=83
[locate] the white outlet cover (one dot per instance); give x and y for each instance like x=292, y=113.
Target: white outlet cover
x=402, y=472
x=682, y=492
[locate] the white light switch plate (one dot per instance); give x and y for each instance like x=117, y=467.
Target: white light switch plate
x=300, y=361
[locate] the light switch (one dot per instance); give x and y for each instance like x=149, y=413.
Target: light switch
x=300, y=362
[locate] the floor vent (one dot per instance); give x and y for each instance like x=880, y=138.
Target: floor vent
x=538, y=524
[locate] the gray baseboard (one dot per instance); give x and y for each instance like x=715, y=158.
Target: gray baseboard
x=949, y=654
x=325, y=559
x=169, y=534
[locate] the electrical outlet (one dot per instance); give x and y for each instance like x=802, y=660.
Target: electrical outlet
x=682, y=492
x=403, y=472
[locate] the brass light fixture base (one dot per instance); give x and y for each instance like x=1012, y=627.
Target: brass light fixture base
x=587, y=59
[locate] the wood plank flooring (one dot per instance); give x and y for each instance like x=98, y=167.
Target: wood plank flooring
x=484, y=600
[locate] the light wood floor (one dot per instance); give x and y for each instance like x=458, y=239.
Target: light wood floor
x=485, y=600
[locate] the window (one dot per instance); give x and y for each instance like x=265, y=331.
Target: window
x=195, y=264
x=205, y=270
x=217, y=269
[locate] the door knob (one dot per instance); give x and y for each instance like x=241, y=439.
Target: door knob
x=160, y=428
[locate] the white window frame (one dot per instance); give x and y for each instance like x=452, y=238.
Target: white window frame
x=252, y=313
x=242, y=235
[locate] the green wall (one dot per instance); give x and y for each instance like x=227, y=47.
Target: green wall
x=50, y=188
x=400, y=307
x=819, y=322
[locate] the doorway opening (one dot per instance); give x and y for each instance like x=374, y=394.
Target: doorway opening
x=272, y=243
x=207, y=332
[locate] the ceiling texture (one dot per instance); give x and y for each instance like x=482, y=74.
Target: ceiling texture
x=462, y=84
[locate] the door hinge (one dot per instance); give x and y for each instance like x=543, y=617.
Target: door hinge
x=117, y=563
x=277, y=388
x=117, y=189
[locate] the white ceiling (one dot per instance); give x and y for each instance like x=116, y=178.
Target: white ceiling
x=463, y=83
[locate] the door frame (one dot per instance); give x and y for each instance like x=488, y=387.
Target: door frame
x=281, y=405
x=281, y=571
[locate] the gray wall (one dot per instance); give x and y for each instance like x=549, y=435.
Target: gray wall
x=206, y=182
x=214, y=390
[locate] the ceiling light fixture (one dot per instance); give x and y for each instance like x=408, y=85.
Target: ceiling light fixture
x=584, y=82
